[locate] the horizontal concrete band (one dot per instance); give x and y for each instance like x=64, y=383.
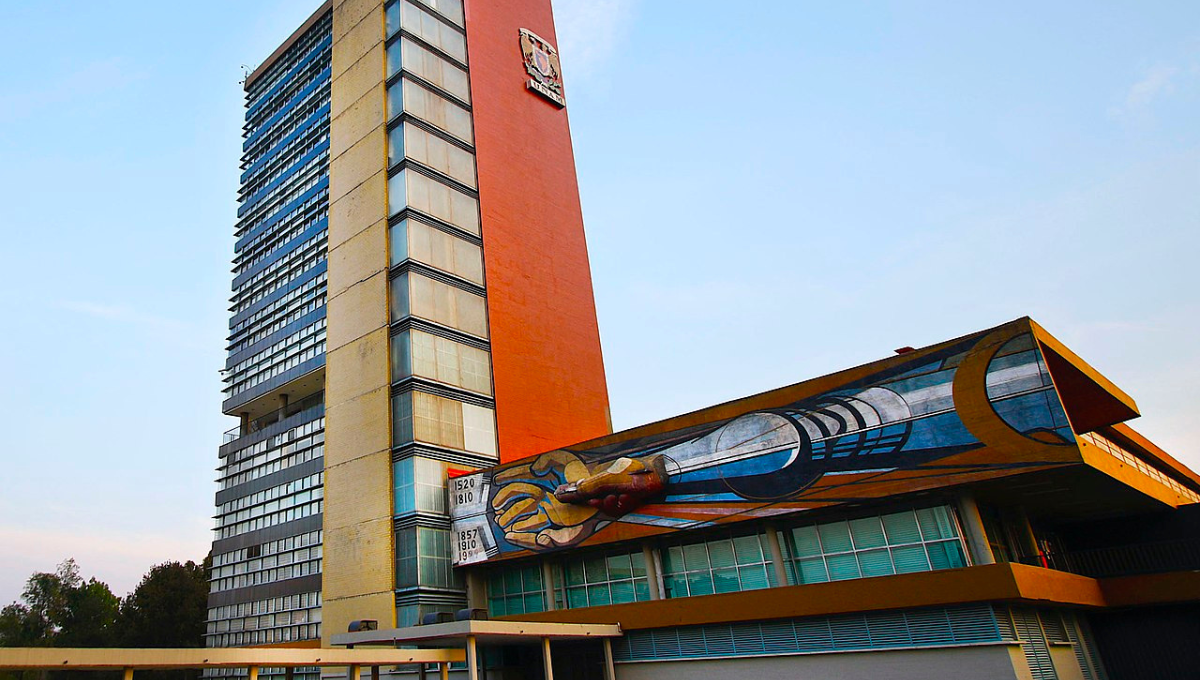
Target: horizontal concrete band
x=27, y=658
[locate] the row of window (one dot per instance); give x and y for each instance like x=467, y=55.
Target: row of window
x=423, y=559
x=284, y=355
x=280, y=548
x=311, y=631
x=430, y=419
x=417, y=295
x=280, y=305
x=409, y=189
x=412, y=239
x=406, y=96
x=257, y=144
x=291, y=183
x=266, y=460
x=310, y=252
x=900, y=542
x=283, y=161
x=271, y=605
x=288, y=267
x=417, y=353
x=271, y=575
x=288, y=515
x=270, y=212
x=269, y=500
x=412, y=58
x=412, y=142
x=264, y=330
x=264, y=86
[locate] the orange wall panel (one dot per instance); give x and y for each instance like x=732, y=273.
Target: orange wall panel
x=546, y=360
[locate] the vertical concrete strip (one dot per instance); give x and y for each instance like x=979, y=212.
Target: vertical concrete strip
x=975, y=533
x=777, y=563
x=358, y=575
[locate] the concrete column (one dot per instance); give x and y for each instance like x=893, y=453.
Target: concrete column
x=445, y=669
x=375, y=672
x=477, y=597
x=776, y=555
x=352, y=673
x=610, y=670
x=653, y=577
x=128, y=674
x=548, y=585
x=547, y=662
x=245, y=424
x=289, y=673
x=472, y=659
x=253, y=673
x=420, y=672
x=974, y=531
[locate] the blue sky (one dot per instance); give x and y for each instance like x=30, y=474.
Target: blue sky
x=772, y=192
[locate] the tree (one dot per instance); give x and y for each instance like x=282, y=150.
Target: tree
x=61, y=610
x=168, y=608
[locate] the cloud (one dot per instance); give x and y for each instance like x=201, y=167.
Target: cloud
x=1158, y=81
x=589, y=31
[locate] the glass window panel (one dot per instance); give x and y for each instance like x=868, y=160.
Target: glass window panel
x=867, y=532
x=676, y=585
x=398, y=242
x=619, y=567
x=947, y=555
x=479, y=429
x=642, y=590
x=392, y=18
x=410, y=141
x=594, y=569
x=639, y=563
x=425, y=26
x=700, y=583
x=835, y=537
x=902, y=527
x=533, y=602
x=400, y=298
x=577, y=597
x=875, y=562
x=574, y=573
x=841, y=567
x=402, y=419
x=409, y=97
x=512, y=581
x=805, y=542
x=622, y=591
x=441, y=303
x=812, y=570
x=401, y=357
x=695, y=556
x=408, y=189
x=402, y=484
x=910, y=558
x=531, y=579
x=748, y=549
x=937, y=523
x=720, y=554
x=753, y=577
x=451, y=9
x=429, y=67
x=598, y=595
x=726, y=580
x=438, y=249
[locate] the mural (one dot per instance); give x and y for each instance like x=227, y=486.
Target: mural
x=970, y=409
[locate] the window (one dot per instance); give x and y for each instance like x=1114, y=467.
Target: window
x=602, y=579
x=410, y=141
x=516, y=590
x=424, y=64
x=419, y=485
x=421, y=417
x=421, y=23
x=878, y=545
x=412, y=190
x=411, y=98
x=422, y=243
x=423, y=558
x=722, y=565
x=416, y=353
x=422, y=297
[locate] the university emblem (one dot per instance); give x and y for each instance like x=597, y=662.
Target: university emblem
x=541, y=63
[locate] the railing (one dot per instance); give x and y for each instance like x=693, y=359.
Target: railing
x=1140, y=558
x=1133, y=460
x=264, y=421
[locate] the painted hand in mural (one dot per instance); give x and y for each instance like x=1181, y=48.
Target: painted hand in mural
x=558, y=499
x=529, y=513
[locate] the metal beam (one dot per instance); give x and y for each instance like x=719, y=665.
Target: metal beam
x=49, y=658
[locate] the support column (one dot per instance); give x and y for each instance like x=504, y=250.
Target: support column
x=476, y=589
x=128, y=674
x=548, y=585
x=445, y=669
x=781, y=578
x=547, y=662
x=420, y=672
x=253, y=672
x=974, y=531
x=472, y=659
x=289, y=673
x=375, y=672
x=610, y=670
x=352, y=673
x=650, y=556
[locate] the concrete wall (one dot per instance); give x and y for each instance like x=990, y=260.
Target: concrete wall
x=993, y=662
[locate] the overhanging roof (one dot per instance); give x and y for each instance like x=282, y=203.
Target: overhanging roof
x=35, y=658
x=484, y=631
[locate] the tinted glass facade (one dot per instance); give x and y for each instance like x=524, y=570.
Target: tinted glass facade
x=267, y=547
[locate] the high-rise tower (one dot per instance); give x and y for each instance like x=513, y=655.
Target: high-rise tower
x=417, y=153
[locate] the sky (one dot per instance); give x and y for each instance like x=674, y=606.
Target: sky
x=772, y=191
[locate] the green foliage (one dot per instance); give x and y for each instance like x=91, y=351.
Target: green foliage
x=168, y=608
